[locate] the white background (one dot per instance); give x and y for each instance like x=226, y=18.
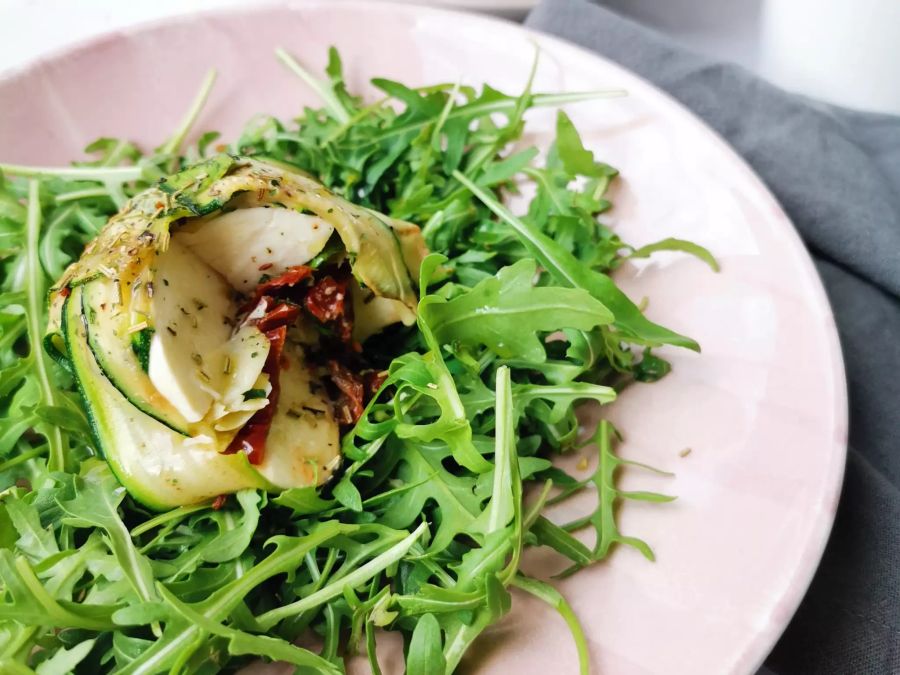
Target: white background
x=843, y=51
x=29, y=28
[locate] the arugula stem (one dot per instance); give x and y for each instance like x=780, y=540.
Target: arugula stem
x=122, y=174
x=442, y=118
x=371, y=652
x=35, y=288
x=86, y=193
x=328, y=98
x=173, y=145
x=163, y=518
x=358, y=576
x=501, y=506
x=22, y=641
x=555, y=599
x=23, y=457
x=535, y=509
x=14, y=668
x=483, y=109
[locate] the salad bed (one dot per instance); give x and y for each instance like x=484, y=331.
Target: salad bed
x=422, y=528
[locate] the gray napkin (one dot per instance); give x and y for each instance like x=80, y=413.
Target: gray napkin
x=837, y=173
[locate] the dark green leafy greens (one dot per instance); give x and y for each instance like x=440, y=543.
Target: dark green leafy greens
x=519, y=322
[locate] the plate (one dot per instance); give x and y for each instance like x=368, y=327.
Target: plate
x=763, y=409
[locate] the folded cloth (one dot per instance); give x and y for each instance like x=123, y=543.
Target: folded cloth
x=837, y=174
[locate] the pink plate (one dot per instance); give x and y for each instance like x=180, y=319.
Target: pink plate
x=763, y=409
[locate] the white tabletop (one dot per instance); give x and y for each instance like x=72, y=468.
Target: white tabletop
x=748, y=32
x=31, y=28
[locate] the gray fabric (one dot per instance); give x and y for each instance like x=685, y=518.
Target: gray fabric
x=837, y=173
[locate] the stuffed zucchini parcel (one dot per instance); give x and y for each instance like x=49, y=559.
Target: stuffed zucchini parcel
x=188, y=324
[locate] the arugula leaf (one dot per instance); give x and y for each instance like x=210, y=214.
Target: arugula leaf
x=422, y=533
x=547, y=533
x=425, y=655
x=577, y=160
x=422, y=465
x=672, y=244
x=31, y=603
x=360, y=575
x=65, y=661
x=566, y=269
x=303, y=501
x=603, y=518
x=483, y=315
x=240, y=642
x=95, y=503
x=181, y=639
x=35, y=541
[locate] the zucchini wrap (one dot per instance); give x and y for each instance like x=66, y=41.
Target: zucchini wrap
x=196, y=322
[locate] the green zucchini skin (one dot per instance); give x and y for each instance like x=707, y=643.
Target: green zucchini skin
x=159, y=467
x=115, y=353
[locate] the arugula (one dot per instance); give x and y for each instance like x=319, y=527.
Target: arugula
x=483, y=316
x=519, y=322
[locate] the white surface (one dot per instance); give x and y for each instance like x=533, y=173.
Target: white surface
x=30, y=28
x=849, y=54
x=793, y=43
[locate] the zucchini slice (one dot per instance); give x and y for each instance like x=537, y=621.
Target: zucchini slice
x=158, y=466
x=121, y=355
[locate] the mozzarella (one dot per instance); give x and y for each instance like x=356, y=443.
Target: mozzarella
x=303, y=444
x=239, y=369
x=246, y=243
x=192, y=308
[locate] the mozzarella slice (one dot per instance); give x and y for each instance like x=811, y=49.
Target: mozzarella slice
x=239, y=369
x=238, y=413
x=303, y=444
x=192, y=308
x=246, y=243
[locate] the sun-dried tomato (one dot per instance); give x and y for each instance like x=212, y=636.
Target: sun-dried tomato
x=372, y=381
x=328, y=301
x=219, y=502
x=282, y=314
x=350, y=404
x=287, y=279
